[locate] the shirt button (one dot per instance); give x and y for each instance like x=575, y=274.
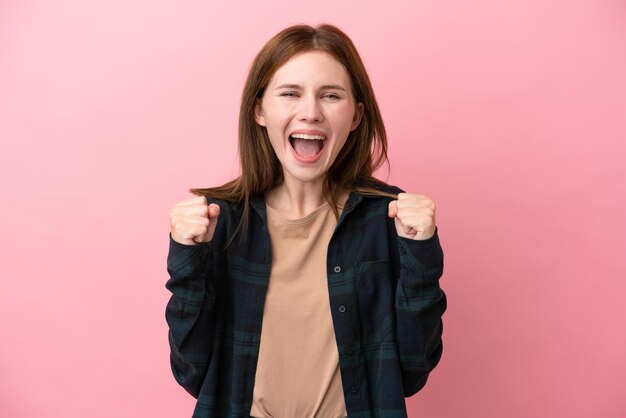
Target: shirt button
x=337, y=269
x=354, y=390
x=348, y=350
x=342, y=308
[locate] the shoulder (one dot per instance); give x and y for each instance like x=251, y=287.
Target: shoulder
x=389, y=188
x=378, y=186
x=223, y=204
x=373, y=199
x=381, y=193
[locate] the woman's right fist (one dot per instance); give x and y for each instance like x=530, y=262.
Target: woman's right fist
x=193, y=221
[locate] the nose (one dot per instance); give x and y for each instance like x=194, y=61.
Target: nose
x=310, y=110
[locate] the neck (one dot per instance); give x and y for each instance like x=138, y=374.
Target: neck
x=296, y=199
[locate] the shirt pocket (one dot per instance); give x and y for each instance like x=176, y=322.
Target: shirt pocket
x=376, y=300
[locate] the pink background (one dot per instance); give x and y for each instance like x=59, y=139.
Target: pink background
x=510, y=114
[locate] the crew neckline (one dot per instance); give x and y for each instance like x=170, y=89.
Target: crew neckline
x=317, y=212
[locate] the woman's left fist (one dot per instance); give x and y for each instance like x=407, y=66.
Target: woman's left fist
x=414, y=215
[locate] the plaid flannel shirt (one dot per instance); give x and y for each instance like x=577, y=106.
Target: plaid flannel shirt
x=384, y=296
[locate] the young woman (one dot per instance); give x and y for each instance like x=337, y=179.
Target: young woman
x=305, y=287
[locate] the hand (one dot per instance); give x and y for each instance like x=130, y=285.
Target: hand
x=414, y=216
x=193, y=221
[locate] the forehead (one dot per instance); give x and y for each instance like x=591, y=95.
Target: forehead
x=311, y=67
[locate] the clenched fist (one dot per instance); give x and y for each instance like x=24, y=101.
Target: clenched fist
x=414, y=216
x=193, y=221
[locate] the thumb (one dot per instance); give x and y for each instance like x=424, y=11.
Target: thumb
x=214, y=213
x=392, y=212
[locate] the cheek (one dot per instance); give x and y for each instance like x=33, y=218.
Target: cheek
x=343, y=119
x=275, y=127
x=340, y=145
x=276, y=142
x=342, y=129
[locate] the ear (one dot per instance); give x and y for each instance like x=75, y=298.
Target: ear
x=358, y=114
x=258, y=113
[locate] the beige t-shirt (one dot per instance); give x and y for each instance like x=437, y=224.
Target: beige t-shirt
x=298, y=367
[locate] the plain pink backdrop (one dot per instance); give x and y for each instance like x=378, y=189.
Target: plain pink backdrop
x=510, y=114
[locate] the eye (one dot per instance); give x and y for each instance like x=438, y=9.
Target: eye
x=332, y=96
x=288, y=94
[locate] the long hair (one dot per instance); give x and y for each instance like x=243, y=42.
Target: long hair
x=365, y=149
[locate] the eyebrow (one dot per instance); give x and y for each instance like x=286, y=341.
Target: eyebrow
x=297, y=86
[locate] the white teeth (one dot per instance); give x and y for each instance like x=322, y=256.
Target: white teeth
x=311, y=137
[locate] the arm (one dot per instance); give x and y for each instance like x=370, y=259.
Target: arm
x=420, y=303
x=190, y=312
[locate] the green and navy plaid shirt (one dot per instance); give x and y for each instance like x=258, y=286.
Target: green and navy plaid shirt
x=384, y=296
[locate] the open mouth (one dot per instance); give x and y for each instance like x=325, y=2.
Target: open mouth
x=307, y=146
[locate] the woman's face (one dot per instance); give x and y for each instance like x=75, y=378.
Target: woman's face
x=308, y=109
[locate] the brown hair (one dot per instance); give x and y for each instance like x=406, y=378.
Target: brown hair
x=365, y=149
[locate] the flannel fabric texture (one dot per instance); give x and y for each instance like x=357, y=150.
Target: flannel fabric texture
x=384, y=295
